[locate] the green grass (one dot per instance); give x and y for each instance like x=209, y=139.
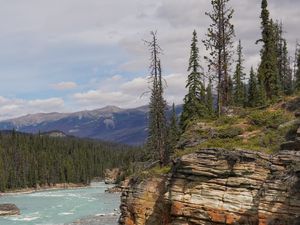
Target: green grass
x=251, y=129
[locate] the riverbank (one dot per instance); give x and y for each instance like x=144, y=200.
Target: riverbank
x=60, y=186
x=98, y=219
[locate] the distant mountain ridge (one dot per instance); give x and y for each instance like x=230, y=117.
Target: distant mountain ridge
x=111, y=123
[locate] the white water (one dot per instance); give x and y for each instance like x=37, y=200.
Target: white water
x=57, y=207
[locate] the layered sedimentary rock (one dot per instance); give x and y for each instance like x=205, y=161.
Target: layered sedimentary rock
x=217, y=186
x=142, y=202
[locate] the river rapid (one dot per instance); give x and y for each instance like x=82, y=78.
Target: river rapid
x=89, y=205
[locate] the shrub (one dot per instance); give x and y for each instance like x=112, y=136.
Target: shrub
x=226, y=120
x=267, y=118
x=229, y=132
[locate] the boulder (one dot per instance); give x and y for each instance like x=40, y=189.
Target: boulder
x=9, y=210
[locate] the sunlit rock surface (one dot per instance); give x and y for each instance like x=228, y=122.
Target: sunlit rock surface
x=217, y=186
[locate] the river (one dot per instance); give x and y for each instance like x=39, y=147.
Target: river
x=57, y=207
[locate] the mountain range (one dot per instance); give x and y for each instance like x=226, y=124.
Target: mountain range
x=111, y=123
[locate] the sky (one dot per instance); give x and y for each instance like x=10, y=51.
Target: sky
x=71, y=55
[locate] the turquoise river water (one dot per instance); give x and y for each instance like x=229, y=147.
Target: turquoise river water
x=57, y=207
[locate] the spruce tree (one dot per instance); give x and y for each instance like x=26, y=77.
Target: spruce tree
x=157, y=131
x=268, y=75
x=230, y=91
x=219, y=43
x=297, y=71
x=283, y=61
x=209, y=99
x=173, y=132
x=238, y=78
x=194, y=102
x=252, y=90
x=287, y=72
x=278, y=37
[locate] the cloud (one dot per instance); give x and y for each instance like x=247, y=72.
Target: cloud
x=101, y=56
x=16, y=107
x=132, y=93
x=116, y=77
x=64, y=85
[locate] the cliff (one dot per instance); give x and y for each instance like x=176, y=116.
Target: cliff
x=218, y=186
x=213, y=181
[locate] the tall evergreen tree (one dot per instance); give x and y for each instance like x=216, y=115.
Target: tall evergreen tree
x=173, y=132
x=283, y=61
x=278, y=37
x=157, y=132
x=230, y=91
x=295, y=61
x=252, y=90
x=238, y=78
x=297, y=71
x=268, y=75
x=194, y=102
x=209, y=99
x=287, y=72
x=219, y=43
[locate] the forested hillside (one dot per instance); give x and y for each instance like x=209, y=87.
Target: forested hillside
x=31, y=160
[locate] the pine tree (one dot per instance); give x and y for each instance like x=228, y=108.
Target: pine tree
x=295, y=63
x=287, y=72
x=297, y=71
x=268, y=75
x=252, y=90
x=209, y=99
x=173, y=132
x=157, y=134
x=230, y=91
x=283, y=61
x=194, y=102
x=238, y=78
x=219, y=43
x=278, y=37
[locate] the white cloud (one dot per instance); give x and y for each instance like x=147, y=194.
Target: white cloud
x=116, y=77
x=132, y=93
x=62, y=40
x=16, y=107
x=64, y=85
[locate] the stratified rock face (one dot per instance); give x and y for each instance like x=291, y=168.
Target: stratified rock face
x=143, y=203
x=9, y=210
x=216, y=186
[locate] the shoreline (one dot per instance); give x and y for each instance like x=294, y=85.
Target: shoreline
x=60, y=186
x=111, y=218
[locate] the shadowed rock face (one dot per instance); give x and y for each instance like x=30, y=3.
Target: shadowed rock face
x=9, y=210
x=217, y=186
